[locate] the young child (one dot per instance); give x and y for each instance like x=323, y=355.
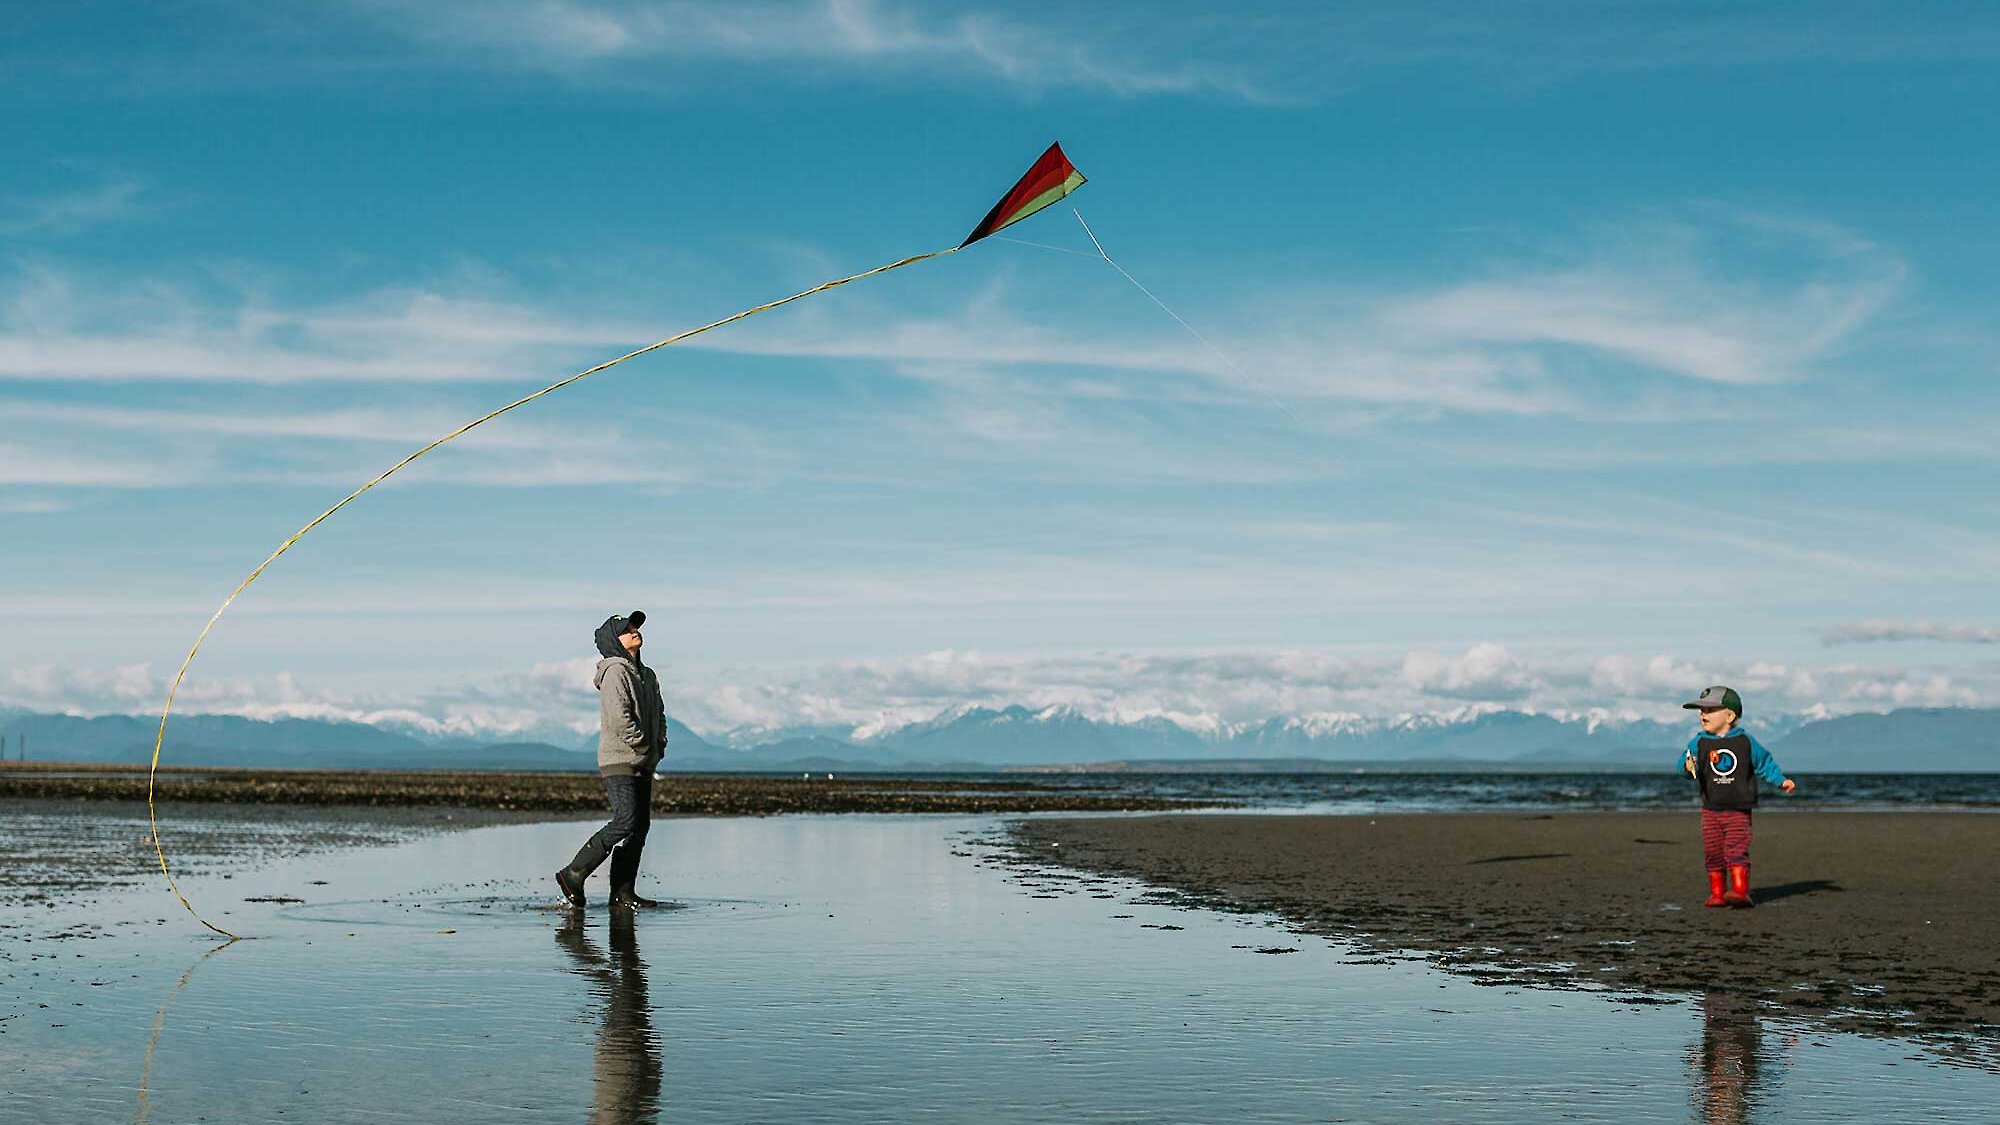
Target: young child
x=1728, y=763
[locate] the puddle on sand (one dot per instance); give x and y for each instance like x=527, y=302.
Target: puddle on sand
x=839, y=969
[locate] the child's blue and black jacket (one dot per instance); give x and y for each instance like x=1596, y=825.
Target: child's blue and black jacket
x=1720, y=767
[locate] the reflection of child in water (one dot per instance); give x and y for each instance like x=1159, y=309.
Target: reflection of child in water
x=1727, y=1060
x=1728, y=762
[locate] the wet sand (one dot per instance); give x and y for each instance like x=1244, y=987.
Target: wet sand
x=57, y=852
x=1872, y=921
x=70, y=831
x=561, y=793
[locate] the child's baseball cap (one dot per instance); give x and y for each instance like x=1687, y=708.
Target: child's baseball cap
x=1718, y=696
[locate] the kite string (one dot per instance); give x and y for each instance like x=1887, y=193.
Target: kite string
x=1227, y=360
x=159, y=739
x=1044, y=246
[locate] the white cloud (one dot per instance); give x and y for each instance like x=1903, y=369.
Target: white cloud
x=54, y=327
x=1653, y=299
x=358, y=424
x=1626, y=677
x=1213, y=690
x=587, y=40
x=1672, y=305
x=88, y=446
x=1671, y=296
x=553, y=699
x=32, y=506
x=1637, y=314
x=1483, y=672
x=1200, y=691
x=73, y=212
x=1555, y=40
x=22, y=463
x=1872, y=632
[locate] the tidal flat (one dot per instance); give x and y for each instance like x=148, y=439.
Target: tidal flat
x=842, y=968
x=1876, y=921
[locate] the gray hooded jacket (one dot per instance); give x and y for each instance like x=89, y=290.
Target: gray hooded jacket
x=631, y=718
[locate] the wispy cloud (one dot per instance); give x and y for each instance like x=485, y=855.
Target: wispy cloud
x=54, y=327
x=22, y=463
x=93, y=446
x=1657, y=298
x=880, y=40
x=1270, y=53
x=1546, y=40
x=1877, y=632
x=32, y=506
x=73, y=212
x=1637, y=314
x=396, y=427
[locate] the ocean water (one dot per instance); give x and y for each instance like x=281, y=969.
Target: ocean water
x=842, y=969
x=1373, y=790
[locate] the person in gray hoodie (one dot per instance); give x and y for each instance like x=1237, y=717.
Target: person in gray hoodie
x=631, y=740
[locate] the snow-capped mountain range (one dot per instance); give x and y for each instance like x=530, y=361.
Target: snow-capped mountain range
x=1015, y=736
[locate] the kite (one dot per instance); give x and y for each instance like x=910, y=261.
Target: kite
x=1050, y=179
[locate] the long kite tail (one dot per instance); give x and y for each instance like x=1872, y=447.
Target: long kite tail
x=159, y=740
x=159, y=1024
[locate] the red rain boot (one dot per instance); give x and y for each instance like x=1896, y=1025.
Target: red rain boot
x=1715, y=890
x=1739, y=886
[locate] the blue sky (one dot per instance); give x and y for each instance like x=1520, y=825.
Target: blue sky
x=1568, y=356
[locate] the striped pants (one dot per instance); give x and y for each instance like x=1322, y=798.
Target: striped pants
x=1725, y=838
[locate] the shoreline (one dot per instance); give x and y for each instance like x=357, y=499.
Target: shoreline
x=1880, y=922
x=676, y=794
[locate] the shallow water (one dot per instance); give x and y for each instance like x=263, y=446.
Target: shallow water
x=842, y=969
x=1378, y=790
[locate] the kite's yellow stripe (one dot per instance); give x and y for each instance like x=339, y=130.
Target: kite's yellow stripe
x=160, y=739
x=1048, y=197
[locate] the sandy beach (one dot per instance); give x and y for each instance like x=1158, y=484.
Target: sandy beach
x=1875, y=921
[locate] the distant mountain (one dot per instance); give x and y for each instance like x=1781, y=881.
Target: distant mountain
x=1475, y=735
x=1930, y=739
x=513, y=756
x=229, y=740
x=1018, y=737
x=208, y=740
x=680, y=740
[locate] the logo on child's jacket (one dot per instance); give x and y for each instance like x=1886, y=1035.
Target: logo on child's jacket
x=1722, y=763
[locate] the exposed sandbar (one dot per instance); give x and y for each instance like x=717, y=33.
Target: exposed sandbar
x=1883, y=921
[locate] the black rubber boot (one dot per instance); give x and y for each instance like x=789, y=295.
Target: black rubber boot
x=626, y=898
x=572, y=887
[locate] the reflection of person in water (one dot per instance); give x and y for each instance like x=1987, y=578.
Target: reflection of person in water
x=626, y=1075
x=1726, y=1063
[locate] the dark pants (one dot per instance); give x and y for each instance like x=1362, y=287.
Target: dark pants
x=624, y=838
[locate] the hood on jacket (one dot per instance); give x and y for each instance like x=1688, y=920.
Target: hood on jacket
x=614, y=627
x=604, y=667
